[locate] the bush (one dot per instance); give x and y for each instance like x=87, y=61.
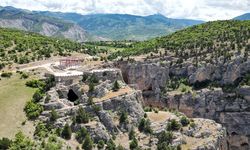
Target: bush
x=41, y=131
x=90, y=100
x=22, y=142
x=91, y=87
x=24, y=76
x=119, y=147
x=88, y=143
x=32, y=109
x=144, y=126
x=110, y=145
x=37, y=96
x=5, y=143
x=85, y=77
x=35, y=84
x=123, y=117
x=66, y=132
x=6, y=74
x=93, y=79
x=184, y=121
x=133, y=144
x=81, y=134
x=100, y=144
x=173, y=125
x=147, y=109
x=164, y=141
x=116, y=86
x=192, y=125
x=53, y=115
x=82, y=116
x=131, y=134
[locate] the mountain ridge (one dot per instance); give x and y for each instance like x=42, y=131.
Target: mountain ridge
x=26, y=20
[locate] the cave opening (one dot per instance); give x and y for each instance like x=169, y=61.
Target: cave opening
x=72, y=96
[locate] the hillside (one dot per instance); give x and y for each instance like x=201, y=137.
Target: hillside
x=218, y=38
x=11, y=17
x=125, y=27
x=23, y=47
x=243, y=17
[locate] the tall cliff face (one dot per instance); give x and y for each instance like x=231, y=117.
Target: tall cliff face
x=230, y=108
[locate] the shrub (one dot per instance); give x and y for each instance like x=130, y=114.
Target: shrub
x=88, y=143
x=85, y=77
x=184, y=121
x=164, y=141
x=66, y=132
x=147, y=109
x=82, y=116
x=81, y=134
x=6, y=74
x=133, y=144
x=100, y=144
x=144, y=126
x=119, y=147
x=116, y=86
x=110, y=145
x=32, y=109
x=192, y=125
x=91, y=87
x=24, y=76
x=5, y=143
x=123, y=117
x=93, y=79
x=37, y=96
x=90, y=100
x=41, y=131
x=35, y=84
x=53, y=115
x=21, y=142
x=131, y=134
x=173, y=125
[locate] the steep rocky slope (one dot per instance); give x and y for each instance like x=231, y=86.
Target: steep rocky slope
x=115, y=114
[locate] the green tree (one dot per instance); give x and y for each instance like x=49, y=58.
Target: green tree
x=123, y=117
x=131, y=134
x=82, y=116
x=81, y=134
x=133, y=144
x=53, y=115
x=32, y=109
x=110, y=145
x=66, y=132
x=88, y=143
x=100, y=144
x=21, y=142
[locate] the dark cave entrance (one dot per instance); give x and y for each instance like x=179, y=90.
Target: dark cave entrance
x=72, y=96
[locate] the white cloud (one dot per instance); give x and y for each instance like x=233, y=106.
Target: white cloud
x=193, y=9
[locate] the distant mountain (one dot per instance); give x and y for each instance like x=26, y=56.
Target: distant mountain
x=243, y=17
x=11, y=17
x=125, y=27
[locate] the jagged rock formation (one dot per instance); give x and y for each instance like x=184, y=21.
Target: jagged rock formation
x=228, y=107
x=67, y=97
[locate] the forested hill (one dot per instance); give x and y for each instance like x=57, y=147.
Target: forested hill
x=124, y=26
x=220, y=37
x=22, y=47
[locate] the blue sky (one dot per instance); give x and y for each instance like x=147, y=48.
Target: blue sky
x=193, y=9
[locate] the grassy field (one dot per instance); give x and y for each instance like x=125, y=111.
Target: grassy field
x=13, y=95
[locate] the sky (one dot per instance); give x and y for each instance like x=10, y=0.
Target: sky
x=207, y=10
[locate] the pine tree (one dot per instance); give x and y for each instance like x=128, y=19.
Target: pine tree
x=66, y=132
x=88, y=143
x=116, y=86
